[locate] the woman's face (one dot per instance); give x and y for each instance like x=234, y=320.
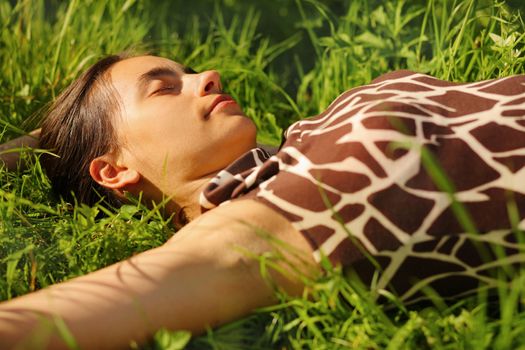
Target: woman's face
x=176, y=126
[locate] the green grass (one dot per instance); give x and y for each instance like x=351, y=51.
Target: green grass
x=283, y=60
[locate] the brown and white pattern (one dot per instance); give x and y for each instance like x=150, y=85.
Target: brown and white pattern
x=356, y=169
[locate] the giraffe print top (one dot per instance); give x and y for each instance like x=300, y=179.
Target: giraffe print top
x=355, y=180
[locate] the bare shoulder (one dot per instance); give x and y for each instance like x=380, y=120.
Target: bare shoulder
x=251, y=225
x=251, y=213
x=241, y=215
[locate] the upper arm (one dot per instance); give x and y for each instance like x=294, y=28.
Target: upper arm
x=242, y=230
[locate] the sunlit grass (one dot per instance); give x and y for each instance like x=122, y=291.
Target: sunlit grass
x=307, y=55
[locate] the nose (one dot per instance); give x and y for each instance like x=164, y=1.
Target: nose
x=209, y=83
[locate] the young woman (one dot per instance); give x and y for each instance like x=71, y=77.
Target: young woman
x=356, y=184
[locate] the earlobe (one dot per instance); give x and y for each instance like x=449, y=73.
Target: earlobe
x=109, y=175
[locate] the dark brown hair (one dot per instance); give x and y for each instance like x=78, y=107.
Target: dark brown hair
x=78, y=128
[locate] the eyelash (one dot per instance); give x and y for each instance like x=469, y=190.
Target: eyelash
x=164, y=88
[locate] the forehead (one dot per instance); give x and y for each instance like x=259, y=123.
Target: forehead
x=125, y=74
x=138, y=65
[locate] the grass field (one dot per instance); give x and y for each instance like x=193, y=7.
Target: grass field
x=282, y=60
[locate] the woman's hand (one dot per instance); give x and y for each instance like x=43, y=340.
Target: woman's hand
x=10, y=151
x=203, y=277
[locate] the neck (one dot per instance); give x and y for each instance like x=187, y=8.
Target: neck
x=186, y=207
x=182, y=203
x=192, y=207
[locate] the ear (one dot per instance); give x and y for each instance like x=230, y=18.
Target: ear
x=108, y=174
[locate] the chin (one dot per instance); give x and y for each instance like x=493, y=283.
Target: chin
x=234, y=138
x=239, y=140
x=247, y=133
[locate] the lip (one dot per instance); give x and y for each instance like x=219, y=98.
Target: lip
x=219, y=102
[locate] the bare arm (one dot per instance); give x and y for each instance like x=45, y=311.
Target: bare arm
x=9, y=151
x=197, y=279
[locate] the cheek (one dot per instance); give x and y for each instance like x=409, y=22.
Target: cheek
x=145, y=146
x=167, y=143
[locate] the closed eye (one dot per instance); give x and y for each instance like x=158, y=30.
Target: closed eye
x=166, y=88
x=163, y=90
